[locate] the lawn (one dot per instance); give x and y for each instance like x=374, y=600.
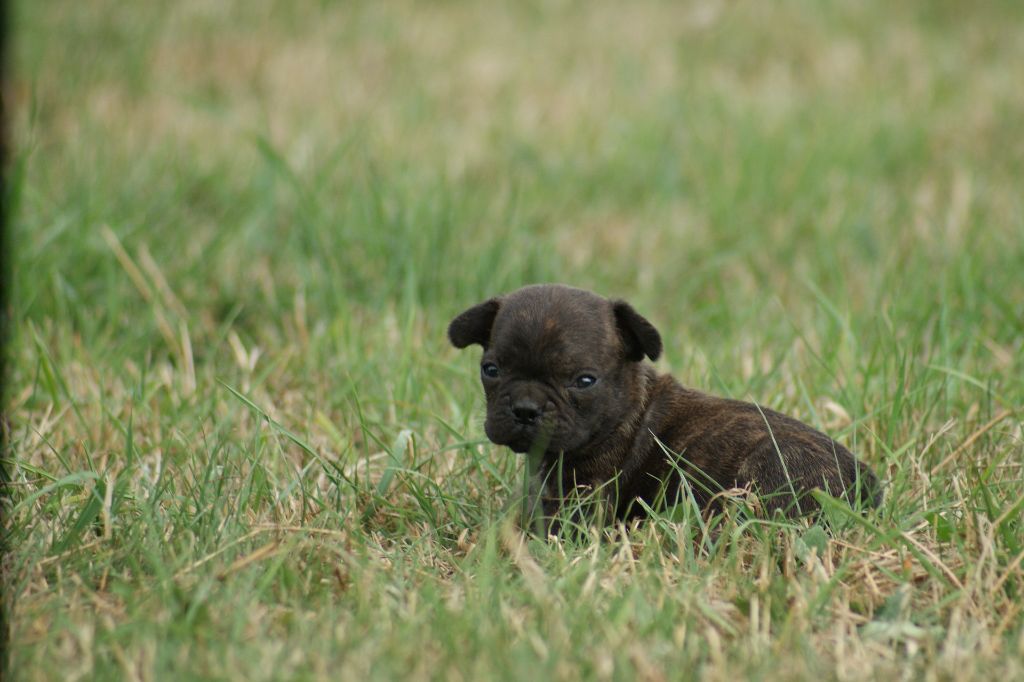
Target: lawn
x=241, y=448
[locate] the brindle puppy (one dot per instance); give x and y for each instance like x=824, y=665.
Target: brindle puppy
x=564, y=374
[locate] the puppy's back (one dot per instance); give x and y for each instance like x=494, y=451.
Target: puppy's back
x=723, y=443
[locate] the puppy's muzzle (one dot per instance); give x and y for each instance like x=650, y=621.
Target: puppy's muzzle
x=526, y=412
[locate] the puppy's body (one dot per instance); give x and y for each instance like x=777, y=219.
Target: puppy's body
x=564, y=374
x=718, y=443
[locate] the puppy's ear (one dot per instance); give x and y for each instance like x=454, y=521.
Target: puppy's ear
x=639, y=336
x=474, y=325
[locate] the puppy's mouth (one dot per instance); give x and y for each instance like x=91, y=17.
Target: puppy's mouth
x=526, y=432
x=520, y=437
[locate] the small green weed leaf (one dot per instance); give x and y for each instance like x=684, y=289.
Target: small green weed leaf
x=395, y=452
x=944, y=528
x=816, y=538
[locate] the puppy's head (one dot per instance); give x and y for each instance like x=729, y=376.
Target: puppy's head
x=560, y=366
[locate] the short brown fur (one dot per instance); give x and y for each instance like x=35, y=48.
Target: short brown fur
x=635, y=433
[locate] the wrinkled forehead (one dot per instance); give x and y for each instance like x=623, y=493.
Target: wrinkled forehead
x=551, y=330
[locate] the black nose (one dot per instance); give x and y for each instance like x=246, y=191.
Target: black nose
x=525, y=411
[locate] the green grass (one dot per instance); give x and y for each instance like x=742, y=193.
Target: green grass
x=241, y=447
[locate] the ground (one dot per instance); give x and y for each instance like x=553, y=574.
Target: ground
x=241, y=447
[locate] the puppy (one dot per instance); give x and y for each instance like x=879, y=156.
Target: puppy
x=565, y=379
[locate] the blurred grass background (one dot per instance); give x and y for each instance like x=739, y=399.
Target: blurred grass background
x=818, y=204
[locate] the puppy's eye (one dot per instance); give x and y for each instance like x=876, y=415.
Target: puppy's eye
x=585, y=381
x=489, y=370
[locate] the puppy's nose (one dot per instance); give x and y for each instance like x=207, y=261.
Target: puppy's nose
x=525, y=411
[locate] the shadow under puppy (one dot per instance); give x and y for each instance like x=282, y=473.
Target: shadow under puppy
x=564, y=377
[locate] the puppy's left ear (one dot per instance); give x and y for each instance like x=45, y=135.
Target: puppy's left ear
x=474, y=325
x=639, y=336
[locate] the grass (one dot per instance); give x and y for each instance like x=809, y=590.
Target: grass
x=241, y=448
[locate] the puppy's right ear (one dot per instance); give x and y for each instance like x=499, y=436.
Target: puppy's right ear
x=474, y=325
